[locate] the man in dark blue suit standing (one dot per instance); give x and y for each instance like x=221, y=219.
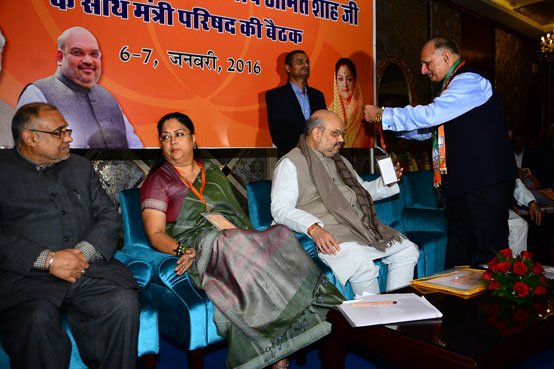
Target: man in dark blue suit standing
x=289, y=106
x=58, y=235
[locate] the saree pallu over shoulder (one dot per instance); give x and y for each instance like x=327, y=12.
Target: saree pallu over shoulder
x=219, y=199
x=271, y=298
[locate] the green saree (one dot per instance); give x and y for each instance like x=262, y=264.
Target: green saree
x=270, y=299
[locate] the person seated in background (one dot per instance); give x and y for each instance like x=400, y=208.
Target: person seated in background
x=270, y=298
x=536, y=170
x=536, y=163
x=317, y=192
x=58, y=234
x=518, y=227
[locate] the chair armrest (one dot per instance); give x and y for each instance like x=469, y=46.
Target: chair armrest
x=187, y=305
x=141, y=270
x=156, y=260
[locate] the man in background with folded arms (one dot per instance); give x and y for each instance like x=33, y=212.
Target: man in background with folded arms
x=58, y=235
x=317, y=192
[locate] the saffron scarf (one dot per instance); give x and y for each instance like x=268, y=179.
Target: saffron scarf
x=439, y=139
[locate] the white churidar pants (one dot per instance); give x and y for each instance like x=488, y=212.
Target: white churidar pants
x=354, y=263
x=517, y=236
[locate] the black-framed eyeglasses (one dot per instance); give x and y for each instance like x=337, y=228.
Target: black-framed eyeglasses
x=58, y=132
x=335, y=133
x=164, y=137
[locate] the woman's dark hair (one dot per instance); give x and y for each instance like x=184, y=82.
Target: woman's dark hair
x=349, y=63
x=180, y=117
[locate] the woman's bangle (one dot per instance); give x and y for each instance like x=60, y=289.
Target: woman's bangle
x=180, y=249
x=311, y=228
x=50, y=261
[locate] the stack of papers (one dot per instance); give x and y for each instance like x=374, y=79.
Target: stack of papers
x=388, y=309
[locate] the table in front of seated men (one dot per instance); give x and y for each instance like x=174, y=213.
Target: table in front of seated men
x=481, y=332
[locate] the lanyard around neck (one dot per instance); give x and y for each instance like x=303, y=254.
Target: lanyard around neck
x=198, y=193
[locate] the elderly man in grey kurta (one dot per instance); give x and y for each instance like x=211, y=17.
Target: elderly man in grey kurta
x=317, y=192
x=92, y=112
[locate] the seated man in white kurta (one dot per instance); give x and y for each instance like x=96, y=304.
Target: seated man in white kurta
x=317, y=192
x=518, y=227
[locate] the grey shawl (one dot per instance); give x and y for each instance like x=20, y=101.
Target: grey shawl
x=368, y=228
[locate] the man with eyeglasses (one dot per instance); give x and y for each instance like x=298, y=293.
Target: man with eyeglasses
x=91, y=110
x=317, y=192
x=289, y=106
x=58, y=235
x=473, y=161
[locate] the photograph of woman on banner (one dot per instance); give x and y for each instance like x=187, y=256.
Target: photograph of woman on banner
x=348, y=103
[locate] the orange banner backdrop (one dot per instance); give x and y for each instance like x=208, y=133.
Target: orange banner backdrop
x=155, y=61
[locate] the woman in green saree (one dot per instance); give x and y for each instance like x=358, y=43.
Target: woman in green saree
x=270, y=298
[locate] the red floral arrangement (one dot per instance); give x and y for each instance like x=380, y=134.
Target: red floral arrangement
x=517, y=278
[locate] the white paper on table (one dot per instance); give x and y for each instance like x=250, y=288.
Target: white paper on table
x=406, y=307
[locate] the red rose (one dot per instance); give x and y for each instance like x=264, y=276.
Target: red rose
x=526, y=255
x=539, y=290
x=521, y=289
x=537, y=268
x=520, y=268
x=494, y=285
x=503, y=267
x=507, y=253
x=487, y=276
x=520, y=314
